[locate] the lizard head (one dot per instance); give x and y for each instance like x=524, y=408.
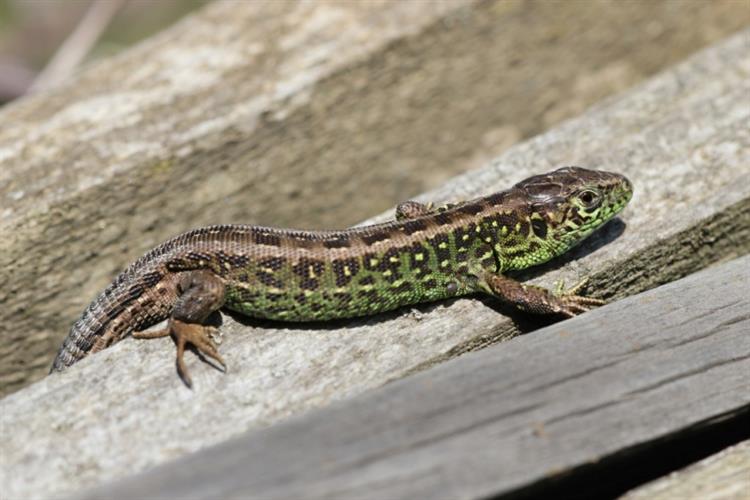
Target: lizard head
x=568, y=204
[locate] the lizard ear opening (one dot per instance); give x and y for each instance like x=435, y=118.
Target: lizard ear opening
x=539, y=227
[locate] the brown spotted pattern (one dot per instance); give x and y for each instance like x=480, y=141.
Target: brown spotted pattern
x=293, y=275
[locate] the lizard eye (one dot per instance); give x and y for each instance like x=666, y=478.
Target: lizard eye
x=589, y=198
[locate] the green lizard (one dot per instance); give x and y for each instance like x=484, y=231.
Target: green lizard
x=424, y=255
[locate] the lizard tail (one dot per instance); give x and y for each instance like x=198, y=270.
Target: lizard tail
x=72, y=348
x=140, y=296
x=90, y=326
x=123, y=307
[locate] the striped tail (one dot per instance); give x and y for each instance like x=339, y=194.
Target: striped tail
x=125, y=306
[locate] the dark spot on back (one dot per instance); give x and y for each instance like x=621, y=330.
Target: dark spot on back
x=261, y=237
x=302, y=270
x=339, y=269
x=385, y=264
x=236, y=260
x=268, y=279
x=470, y=208
x=191, y=260
x=441, y=253
x=443, y=218
x=274, y=263
x=412, y=226
x=372, y=238
x=424, y=264
x=496, y=199
x=470, y=230
x=305, y=242
x=151, y=279
x=337, y=243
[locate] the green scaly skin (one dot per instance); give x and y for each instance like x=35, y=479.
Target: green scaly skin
x=424, y=255
x=450, y=263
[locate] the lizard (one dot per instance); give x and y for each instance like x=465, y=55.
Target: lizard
x=426, y=254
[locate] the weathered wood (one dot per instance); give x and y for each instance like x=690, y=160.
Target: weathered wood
x=208, y=122
x=724, y=476
x=125, y=410
x=494, y=421
x=292, y=113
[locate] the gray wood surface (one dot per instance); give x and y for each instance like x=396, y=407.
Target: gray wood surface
x=571, y=394
x=723, y=476
x=124, y=410
x=293, y=113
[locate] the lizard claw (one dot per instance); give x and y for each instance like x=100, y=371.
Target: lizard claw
x=569, y=303
x=197, y=335
x=200, y=336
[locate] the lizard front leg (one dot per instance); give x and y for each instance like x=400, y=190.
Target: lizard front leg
x=535, y=299
x=412, y=209
x=200, y=294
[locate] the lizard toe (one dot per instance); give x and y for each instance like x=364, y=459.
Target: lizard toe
x=200, y=337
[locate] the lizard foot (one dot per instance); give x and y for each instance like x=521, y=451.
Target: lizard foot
x=538, y=300
x=569, y=303
x=183, y=333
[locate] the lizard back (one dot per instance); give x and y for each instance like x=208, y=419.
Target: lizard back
x=296, y=275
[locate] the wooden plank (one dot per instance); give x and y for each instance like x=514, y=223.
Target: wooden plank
x=723, y=476
x=124, y=410
x=314, y=114
x=503, y=418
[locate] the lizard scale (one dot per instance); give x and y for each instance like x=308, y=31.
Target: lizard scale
x=426, y=254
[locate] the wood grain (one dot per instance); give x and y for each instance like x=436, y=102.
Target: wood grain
x=723, y=476
x=124, y=410
x=313, y=114
x=490, y=422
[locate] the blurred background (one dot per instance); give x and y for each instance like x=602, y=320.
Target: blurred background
x=34, y=33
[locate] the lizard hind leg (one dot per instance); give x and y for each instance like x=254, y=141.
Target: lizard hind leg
x=200, y=294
